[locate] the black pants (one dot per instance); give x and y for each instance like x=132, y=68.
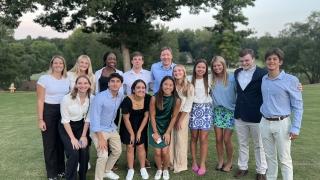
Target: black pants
x=52, y=144
x=75, y=156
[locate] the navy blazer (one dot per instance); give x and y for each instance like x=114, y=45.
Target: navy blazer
x=249, y=100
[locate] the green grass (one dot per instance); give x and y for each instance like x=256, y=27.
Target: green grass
x=21, y=152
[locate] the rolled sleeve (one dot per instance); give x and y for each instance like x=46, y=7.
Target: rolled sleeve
x=65, y=116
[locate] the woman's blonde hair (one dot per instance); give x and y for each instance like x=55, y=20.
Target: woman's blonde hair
x=221, y=60
x=74, y=91
x=64, y=72
x=185, y=83
x=76, y=68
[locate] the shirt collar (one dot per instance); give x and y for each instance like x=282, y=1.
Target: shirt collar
x=109, y=94
x=171, y=66
x=253, y=68
x=132, y=71
x=280, y=76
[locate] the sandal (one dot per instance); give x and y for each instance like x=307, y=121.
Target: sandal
x=230, y=169
x=195, y=168
x=202, y=171
x=218, y=168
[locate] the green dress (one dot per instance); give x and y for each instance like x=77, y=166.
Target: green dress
x=163, y=118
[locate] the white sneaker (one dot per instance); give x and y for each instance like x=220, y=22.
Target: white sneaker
x=166, y=175
x=89, y=165
x=111, y=175
x=130, y=174
x=158, y=175
x=144, y=173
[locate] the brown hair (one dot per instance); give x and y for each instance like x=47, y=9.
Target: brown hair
x=74, y=91
x=276, y=51
x=160, y=93
x=244, y=52
x=64, y=72
x=205, y=76
x=137, y=53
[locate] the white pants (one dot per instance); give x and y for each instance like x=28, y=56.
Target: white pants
x=275, y=136
x=244, y=129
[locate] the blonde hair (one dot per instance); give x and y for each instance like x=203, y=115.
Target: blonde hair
x=185, y=83
x=221, y=60
x=76, y=68
x=64, y=72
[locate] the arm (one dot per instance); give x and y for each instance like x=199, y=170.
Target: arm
x=186, y=107
x=40, y=105
x=152, y=109
x=176, y=109
x=95, y=113
x=129, y=127
x=83, y=137
x=143, y=124
x=74, y=140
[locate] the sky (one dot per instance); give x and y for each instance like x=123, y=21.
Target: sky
x=267, y=16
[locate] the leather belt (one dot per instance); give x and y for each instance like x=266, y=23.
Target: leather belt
x=279, y=118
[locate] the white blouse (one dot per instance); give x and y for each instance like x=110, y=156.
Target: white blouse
x=73, y=110
x=186, y=101
x=200, y=95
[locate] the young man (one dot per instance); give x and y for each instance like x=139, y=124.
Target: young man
x=137, y=72
x=103, y=112
x=247, y=114
x=280, y=98
x=162, y=68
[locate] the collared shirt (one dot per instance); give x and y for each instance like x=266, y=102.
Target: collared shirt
x=130, y=76
x=158, y=71
x=103, y=111
x=73, y=110
x=55, y=89
x=98, y=74
x=245, y=76
x=281, y=97
x=224, y=95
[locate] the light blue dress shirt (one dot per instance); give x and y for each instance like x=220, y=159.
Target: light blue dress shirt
x=224, y=95
x=158, y=72
x=103, y=111
x=281, y=97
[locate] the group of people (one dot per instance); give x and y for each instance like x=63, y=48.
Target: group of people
x=77, y=107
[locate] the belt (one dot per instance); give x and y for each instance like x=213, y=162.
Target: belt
x=279, y=118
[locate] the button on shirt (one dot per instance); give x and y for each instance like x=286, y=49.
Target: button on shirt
x=281, y=97
x=245, y=76
x=130, y=76
x=158, y=71
x=73, y=110
x=103, y=111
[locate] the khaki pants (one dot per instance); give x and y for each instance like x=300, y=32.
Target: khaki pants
x=105, y=162
x=179, y=147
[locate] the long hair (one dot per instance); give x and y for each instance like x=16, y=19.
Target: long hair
x=76, y=67
x=75, y=90
x=64, y=72
x=221, y=60
x=160, y=93
x=205, y=76
x=185, y=83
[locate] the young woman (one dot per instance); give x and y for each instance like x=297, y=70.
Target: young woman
x=109, y=67
x=164, y=108
x=82, y=67
x=223, y=93
x=74, y=127
x=179, y=135
x=133, y=129
x=200, y=116
x=50, y=90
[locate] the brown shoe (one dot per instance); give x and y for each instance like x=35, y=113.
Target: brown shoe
x=240, y=173
x=261, y=176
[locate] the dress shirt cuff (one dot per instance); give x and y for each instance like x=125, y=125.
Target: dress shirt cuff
x=295, y=130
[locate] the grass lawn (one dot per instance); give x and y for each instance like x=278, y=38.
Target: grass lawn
x=21, y=152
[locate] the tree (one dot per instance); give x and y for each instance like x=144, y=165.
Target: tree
x=126, y=22
x=300, y=41
x=227, y=37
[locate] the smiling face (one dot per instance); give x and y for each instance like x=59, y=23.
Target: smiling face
x=83, y=64
x=179, y=72
x=83, y=85
x=246, y=62
x=114, y=84
x=217, y=67
x=57, y=65
x=111, y=60
x=167, y=87
x=201, y=69
x=140, y=89
x=273, y=62
x=166, y=57
x=137, y=62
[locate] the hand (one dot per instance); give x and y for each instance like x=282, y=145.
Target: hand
x=293, y=136
x=42, y=125
x=84, y=141
x=155, y=136
x=138, y=136
x=102, y=144
x=166, y=138
x=75, y=143
x=132, y=138
x=178, y=125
